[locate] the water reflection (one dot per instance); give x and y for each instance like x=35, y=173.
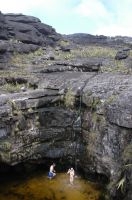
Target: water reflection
x=39, y=187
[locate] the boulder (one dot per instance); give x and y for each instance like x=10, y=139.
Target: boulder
x=123, y=54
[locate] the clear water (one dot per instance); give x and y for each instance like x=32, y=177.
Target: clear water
x=39, y=187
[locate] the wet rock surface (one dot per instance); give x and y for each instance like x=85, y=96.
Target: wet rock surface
x=72, y=104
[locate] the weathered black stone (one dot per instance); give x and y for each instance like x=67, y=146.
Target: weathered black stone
x=73, y=108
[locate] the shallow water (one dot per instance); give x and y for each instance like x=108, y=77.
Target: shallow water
x=39, y=187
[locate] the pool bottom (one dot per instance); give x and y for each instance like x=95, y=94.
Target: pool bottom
x=40, y=187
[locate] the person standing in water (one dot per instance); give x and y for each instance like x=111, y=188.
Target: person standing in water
x=71, y=172
x=52, y=172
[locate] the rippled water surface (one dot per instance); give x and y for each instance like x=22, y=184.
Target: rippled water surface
x=39, y=187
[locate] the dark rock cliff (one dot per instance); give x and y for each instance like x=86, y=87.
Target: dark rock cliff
x=63, y=101
x=23, y=34
x=27, y=29
x=85, y=39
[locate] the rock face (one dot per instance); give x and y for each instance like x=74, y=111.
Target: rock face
x=73, y=107
x=3, y=28
x=30, y=30
x=85, y=39
x=23, y=34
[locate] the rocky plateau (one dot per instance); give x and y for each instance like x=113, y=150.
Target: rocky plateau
x=66, y=98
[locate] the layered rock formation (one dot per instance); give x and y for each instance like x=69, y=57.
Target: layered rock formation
x=23, y=34
x=72, y=106
x=27, y=29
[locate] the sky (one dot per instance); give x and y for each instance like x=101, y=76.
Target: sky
x=97, y=17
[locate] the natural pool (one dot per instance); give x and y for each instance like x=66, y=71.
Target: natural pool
x=39, y=187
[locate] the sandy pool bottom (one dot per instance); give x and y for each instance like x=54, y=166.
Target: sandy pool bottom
x=40, y=187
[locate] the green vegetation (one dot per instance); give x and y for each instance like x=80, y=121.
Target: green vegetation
x=5, y=156
x=98, y=119
x=8, y=87
x=119, y=66
x=127, y=158
x=69, y=99
x=30, y=110
x=120, y=184
x=127, y=154
x=64, y=43
x=13, y=74
x=110, y=99
x=87, y=52
x=5, y=146
x=13, y=106
x=114, y=66
x=21, y=59
x=92, y=101
x=97, y=51
x=95, y=102
x=37, y=123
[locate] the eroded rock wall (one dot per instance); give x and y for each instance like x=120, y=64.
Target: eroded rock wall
x=41, y=124
x=70, y=103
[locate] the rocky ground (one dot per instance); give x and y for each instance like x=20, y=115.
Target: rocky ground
x=66, y=98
